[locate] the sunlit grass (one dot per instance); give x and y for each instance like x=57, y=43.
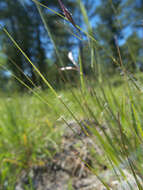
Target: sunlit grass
x=31, y=129
x=28, y=125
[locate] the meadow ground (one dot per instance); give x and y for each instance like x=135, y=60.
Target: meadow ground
x=32, y=132
x=84, y=130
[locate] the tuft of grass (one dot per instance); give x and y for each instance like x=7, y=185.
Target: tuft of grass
x=31, y=130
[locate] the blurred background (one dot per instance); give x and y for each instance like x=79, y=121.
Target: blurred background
x=114, y=24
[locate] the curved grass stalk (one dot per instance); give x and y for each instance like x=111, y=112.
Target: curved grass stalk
x=28, y=78
x=41, y=4
x=86, y=33
x=24, y=84
x=89, y=29
x=24, y=54
x=51, y=38
x=43, y=78
x=49, y=33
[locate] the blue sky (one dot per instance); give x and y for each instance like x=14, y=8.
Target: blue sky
x=95, y=20
x=126, y=32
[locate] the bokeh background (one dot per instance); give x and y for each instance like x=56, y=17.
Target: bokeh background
x=113, y=22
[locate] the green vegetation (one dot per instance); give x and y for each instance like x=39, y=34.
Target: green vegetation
x=31, y=131
x=32, y=115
